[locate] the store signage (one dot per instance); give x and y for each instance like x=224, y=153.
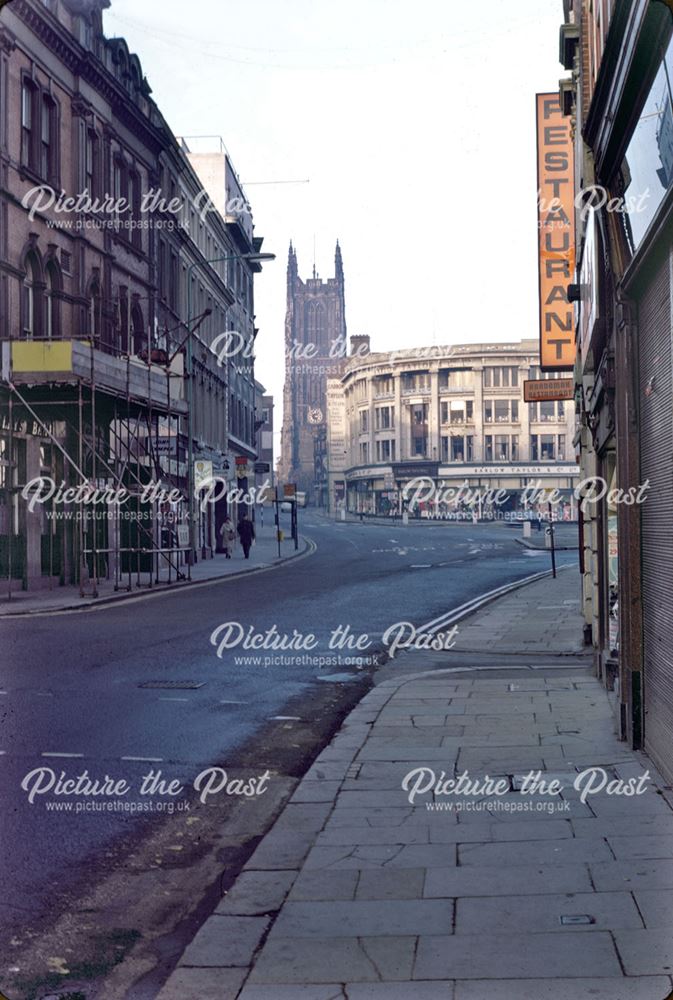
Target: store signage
x=463, y=471
x=203, y=474
x=541, y=390
x=556, y=234
x=262, y=467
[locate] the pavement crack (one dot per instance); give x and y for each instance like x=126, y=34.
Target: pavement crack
x=392, y=858
x=370, y=959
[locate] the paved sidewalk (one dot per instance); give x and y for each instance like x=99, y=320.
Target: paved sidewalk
x=358, y=893
x=263, y=555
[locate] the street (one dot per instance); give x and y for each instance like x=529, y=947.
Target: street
x=72, y=695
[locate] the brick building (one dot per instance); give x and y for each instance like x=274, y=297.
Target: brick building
x=108, y=308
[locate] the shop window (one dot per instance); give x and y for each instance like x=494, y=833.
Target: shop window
x=488, y=448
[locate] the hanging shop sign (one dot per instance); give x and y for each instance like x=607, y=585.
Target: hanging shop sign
x=556, y=234
x=541, y=390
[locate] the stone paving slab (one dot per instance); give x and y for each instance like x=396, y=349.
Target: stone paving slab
x=206, y=984
x=506, y=956
x=225, y=941
x=632, y=875
x=536, y=914
x=475, y=881
x=646, y=952
x=656, y=907
x=647, y=988
x=363, y=918
x=316, y=960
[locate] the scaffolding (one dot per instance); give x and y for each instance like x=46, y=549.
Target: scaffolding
x=111, y=426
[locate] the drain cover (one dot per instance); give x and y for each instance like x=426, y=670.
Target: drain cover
x=577, y=918
x=172, y=685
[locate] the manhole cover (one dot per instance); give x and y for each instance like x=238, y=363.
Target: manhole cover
x=172, y=685
x=577, y=918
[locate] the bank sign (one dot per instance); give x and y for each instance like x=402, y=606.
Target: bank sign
x=556, y=234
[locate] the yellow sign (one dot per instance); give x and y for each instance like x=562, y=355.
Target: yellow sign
x=42, y=355
x=556, y=234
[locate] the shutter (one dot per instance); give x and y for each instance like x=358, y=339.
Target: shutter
x=656, y=465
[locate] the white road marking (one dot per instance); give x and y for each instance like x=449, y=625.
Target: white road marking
x=225, y=702
x=3, y=692
x=173, y=699
x=145, y=760
x=3, y=753
x=421, y=566
x=285, y=718
x=50, y=754
x=44, y=694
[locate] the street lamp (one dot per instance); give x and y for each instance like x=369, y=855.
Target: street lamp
x=252, y=258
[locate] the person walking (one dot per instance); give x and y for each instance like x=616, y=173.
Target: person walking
x=246, y=532
x=228, y=536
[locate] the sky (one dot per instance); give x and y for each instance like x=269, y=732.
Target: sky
x=405, y=130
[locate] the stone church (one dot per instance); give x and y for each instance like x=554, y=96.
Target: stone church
x=315, y=350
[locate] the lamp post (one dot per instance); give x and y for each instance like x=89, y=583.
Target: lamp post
x=251, y=258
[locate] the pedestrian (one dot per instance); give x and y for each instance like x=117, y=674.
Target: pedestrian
x=228, y=536
x=246, y=532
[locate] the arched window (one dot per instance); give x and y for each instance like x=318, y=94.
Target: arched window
x=52, y=328
x=33, y=287
x=94, y=311
x=316, y=324
x=138, y=327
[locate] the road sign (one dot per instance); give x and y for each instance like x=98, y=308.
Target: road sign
x=290, y=491
x=542, y=390
x=262, y=467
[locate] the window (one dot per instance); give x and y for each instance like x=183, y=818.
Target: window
x=502, y=448
x=543, y=447
x=488, y=448
x=52, y=315
x=32, y=299
x=561, y=453
x=364, y=452
x=94, y=310
x=28, y=101
x=457, y=449
x=135, y=234
x=91, y=163
x=501, y=377
x=384, y=417
x=385, y=451
x=138, y=327
x=364, y=422
x=48, y=139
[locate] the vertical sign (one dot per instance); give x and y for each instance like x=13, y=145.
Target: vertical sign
x=556, y=234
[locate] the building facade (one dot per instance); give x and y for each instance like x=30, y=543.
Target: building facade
x=315, y=347
x=449, y=416
x=108, y=311
x=620, y=102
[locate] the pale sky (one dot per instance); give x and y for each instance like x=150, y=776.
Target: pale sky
x=414, y=124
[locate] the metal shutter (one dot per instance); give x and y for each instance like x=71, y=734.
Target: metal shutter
x=656, y=464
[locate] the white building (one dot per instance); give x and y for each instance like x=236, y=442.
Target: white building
x=451, y=415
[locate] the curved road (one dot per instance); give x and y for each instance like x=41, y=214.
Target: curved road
x=70, y=682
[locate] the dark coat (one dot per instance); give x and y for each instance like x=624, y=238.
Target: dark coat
x=246, y=532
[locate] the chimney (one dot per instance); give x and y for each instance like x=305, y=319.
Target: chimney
x=360, y=345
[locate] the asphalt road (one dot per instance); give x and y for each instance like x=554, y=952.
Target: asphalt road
x=70, y=695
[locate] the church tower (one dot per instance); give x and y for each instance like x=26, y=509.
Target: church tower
x=315, y=350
